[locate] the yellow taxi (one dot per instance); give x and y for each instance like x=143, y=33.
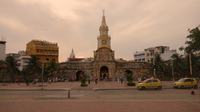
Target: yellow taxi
x=185, y=83
x=150, y=84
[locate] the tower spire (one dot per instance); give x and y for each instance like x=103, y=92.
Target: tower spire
x=103, y=22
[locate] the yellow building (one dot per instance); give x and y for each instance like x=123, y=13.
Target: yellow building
x=44, y=50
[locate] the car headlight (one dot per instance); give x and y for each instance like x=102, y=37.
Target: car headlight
x=138, y=85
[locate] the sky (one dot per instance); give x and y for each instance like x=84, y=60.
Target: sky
x=134, y=25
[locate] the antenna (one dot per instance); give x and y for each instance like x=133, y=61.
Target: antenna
x=103, y=11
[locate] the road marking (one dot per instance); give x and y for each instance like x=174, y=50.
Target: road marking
x=193, y=102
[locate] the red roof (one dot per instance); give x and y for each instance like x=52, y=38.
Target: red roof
x=76, y=59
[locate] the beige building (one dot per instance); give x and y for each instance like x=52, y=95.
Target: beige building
x=104, y=64
x=2, y=49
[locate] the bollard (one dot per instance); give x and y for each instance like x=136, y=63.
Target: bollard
x=68, y=93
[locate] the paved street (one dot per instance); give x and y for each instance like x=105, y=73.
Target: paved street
x=101, y=97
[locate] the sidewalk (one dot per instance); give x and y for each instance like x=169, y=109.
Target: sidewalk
x=61, y=86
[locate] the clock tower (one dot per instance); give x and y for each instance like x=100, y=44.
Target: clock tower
x=103, y=39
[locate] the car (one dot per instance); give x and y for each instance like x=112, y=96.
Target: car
x=185, y=83
x=150, y=84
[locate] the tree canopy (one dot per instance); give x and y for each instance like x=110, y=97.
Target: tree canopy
x=193, y=44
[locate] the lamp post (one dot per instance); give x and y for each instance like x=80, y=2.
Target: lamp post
x=42, y=72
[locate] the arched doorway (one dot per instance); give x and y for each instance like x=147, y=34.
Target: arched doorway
x=128, y=72
x=104, y=73
x=79, y=75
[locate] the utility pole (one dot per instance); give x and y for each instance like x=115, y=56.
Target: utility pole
x=192, y=92
x=154, y=64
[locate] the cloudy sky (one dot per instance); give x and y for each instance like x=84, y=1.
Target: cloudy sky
x=133, y=24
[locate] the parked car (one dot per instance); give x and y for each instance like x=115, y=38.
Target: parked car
x=185, y=83
x=150, y=84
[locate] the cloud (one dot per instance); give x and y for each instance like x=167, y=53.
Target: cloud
x=133, y=24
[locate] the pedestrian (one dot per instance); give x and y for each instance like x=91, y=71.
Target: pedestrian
x=56, y=79
x=121, y=80
x=27, y=83
x=95, y=80
x=139, y=80
x=125, y=81
x=16, y=80
x=19, y=81
x=106, y=78
x=88, y=80
x=118, y=79
x=71, y=79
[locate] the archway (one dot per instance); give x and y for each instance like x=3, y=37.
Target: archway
x=104, y=73
x=79, y=75
x=128, y=72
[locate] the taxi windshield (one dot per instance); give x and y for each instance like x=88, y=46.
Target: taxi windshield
x=144, y=81
x=181, y=80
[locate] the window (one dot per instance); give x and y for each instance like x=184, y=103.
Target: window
x=188, y=80
x=47, y=59
x=155, y=80
x=56, y=52
x=149, y=81
x=52, y=52
x=37, y=51
x=49, y=52
x=45, y=51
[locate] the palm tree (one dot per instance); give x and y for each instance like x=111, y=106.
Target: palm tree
x=52, y=67
x=179, y=64
x=33, y=65
x=11, y=67
x=2, y=64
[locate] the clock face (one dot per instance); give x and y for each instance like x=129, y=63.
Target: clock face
x=104, y=41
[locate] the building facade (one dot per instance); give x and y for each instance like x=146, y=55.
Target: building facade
x=44, y=50
x=104, y=64
x=147, y=54
x=2, y=49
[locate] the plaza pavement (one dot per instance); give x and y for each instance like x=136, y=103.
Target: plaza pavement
x=101, y=85
x=111, y=100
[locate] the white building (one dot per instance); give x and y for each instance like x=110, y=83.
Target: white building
x=22, y=60
x=147, y=54
x=2, y=49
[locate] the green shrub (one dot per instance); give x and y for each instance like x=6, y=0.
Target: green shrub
x=130, y=84
x=84, y=85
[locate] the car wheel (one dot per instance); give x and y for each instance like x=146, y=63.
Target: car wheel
x=195, y=87
x=159, y=87
x=182, y=87
x=142, y=88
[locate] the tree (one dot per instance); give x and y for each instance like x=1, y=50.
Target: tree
x=52, y=67
x=33, y=65
x=130, y=79
x=179, y=64
x=193, y=44
x=11, y=67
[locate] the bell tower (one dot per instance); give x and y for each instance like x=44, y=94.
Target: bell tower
x=103, y=39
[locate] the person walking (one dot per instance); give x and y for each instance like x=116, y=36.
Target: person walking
x=121, y=80
x=19, y=81
x=95, y=80
x=88, y=80
x=139, y=80
x=125, y=81
x=118, y=79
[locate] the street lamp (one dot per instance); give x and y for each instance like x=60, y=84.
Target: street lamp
x=42, y=71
